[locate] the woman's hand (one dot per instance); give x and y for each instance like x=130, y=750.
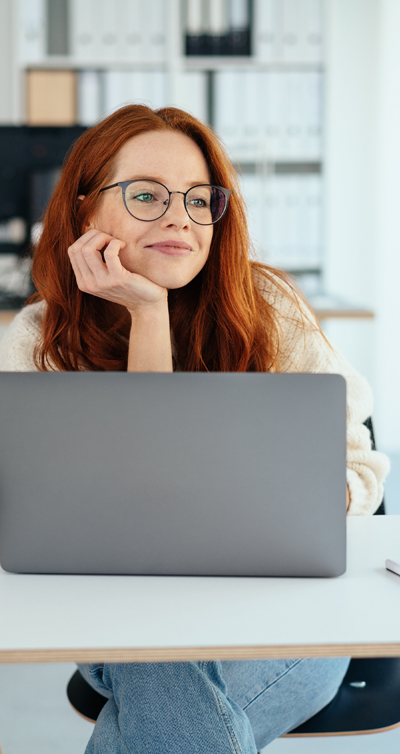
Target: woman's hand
x=108, y=279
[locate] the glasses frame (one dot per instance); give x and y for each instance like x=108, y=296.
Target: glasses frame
x=124, y=185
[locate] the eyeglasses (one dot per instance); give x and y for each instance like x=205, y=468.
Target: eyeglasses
x=149, y=200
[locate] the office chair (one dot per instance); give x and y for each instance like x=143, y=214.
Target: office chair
x=368, y=700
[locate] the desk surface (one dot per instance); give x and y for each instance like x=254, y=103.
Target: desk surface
x=139, y=618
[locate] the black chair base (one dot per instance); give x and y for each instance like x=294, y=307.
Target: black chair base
x=84, y=699
x=359, y=709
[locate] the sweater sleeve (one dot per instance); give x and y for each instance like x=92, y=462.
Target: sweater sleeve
x=304, y=348
x=18, y=344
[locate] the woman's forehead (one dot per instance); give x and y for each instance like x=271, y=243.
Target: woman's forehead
x=162, y=153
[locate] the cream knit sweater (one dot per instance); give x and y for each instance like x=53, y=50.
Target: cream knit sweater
x=303, y=350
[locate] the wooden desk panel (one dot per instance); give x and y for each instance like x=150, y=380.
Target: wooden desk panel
x=6, y=317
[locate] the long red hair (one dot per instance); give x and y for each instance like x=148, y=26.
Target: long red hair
x=220, y=320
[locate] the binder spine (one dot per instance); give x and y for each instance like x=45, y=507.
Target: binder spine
x=218, y=27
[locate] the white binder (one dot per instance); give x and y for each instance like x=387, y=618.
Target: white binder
x=157, y=85
x=272, y=114
x=32, y=29
x=124, y=87
x=112, y=24
x=302, y=31
x=312, y=32
x=133, y=31
x=313, y=203
x=85, y=30
x=249, y=95
x=192, y=94
x=251, y=186
x=226, y=114
x=89, y=97
x=218, y=17
x=292, y=228
x=194, y=17
x=292, y=47
x=153, y=24
x=267, y=42
x=238, y=15
x=294, y=114
x=114, y=90
x=312, y=110
x=274, y=212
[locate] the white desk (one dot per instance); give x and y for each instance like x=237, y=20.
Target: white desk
x=129, y=618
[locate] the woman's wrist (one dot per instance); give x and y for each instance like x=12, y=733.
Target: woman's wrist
x=150, y=347
x=147, y=310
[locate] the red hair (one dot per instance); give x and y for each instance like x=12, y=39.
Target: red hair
x=220, y=320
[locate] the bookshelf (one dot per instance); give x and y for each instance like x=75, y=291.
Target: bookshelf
x=267, y=106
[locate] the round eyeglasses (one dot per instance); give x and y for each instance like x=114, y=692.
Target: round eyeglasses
x=149, y=200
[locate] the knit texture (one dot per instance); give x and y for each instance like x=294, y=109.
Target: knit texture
x=303, y=348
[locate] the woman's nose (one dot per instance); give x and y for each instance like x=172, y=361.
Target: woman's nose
x=176, y=213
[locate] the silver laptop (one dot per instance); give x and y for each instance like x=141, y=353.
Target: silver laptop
x=184, y=473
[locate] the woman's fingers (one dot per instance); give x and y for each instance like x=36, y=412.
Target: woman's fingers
x=109, y=279
x=92, y=274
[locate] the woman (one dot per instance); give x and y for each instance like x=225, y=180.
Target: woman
x=143, y=265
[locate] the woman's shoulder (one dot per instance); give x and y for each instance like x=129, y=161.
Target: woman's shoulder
x=28, y=321
x=22, y=336
x=31, y=316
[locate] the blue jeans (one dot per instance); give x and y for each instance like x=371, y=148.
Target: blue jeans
x=203, y=707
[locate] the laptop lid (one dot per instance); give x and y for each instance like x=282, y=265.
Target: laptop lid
x=184, y=473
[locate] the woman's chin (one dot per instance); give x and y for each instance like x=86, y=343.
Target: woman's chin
x=172, y=281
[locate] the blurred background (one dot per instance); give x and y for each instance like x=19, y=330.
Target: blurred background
x=305, y=95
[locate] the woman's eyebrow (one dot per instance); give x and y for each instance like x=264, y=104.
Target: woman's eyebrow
x=158, y=179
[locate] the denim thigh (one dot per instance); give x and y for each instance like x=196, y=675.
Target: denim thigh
x=279, y=695
x=275, y=695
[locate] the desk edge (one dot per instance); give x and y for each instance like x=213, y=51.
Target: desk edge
x=188, y=654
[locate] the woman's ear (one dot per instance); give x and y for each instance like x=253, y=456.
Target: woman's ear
x=79, y=201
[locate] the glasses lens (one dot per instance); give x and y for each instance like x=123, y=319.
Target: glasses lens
x=205, y=204
x=146, y=200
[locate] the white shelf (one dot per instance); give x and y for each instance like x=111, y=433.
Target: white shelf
x=214, y=62
x=206, y=63
x=70, y=63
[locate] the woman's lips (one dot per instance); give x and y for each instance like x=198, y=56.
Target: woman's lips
x=175, y=248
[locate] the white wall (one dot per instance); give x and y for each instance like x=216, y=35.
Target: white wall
x=362, y=231
x=350, y=173
x=388, y=217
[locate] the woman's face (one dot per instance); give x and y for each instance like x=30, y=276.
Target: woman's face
x=174, y=159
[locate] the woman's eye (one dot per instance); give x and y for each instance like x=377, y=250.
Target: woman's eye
x=198, y=202
x=144, y=197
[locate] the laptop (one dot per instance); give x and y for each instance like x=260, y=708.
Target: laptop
x=212, y=474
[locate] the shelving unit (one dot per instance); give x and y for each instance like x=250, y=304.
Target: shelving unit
x=283, y=190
